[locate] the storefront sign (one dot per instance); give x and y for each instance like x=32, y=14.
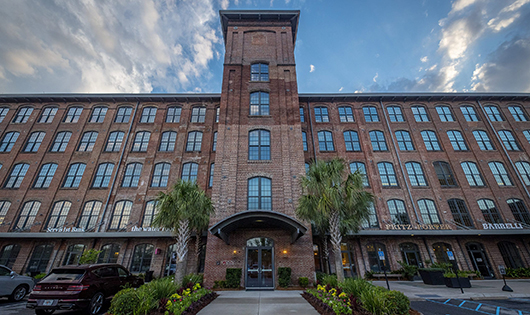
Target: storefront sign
x=418, y=227
x=148, y=229
x=65, y=229
x=502, y=226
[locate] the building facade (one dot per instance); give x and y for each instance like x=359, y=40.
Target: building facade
x=450, y=171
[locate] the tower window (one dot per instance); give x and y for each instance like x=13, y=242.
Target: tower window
x=259, y=104
x=259, y=72
x=259, y=145
x=259, y=194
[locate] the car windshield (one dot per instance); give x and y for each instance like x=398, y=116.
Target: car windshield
x=65, y=274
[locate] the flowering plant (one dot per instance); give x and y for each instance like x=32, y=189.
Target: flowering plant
x=334, y=297
x=184, y=297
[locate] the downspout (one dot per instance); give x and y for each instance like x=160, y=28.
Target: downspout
x=124, y=145
x=504, y=149
x=399, y=160
x=311, y=128
x=431, y=257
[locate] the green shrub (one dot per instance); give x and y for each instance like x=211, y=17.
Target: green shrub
x=161, y=288
x=125, y=302
x=219, y=284
x=146, y=300
x=320, y=276
x=369, y=274
x=331, y=280
x=355, y=286
x=192, y=278
x=400, y=304
x=518, y=272
x=233, y=277
x=89, y=256
x=284, y=276
x=408, y=271
x=376, y=302
x=303, y=282
x=40, y=276
x=445, y=266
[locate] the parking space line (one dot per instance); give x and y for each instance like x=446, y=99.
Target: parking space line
x=494, y=309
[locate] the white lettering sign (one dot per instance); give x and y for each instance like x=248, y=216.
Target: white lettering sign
x=502, y=226
x=148, y=229
x=65, y=230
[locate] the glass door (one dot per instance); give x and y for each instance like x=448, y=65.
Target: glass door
x=253, y=269
x=260, y=267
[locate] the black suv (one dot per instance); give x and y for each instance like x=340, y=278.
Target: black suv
x=80, y=287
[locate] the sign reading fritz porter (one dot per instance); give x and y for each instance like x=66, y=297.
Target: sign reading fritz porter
x=502, y=226
x=65, y=229
x=418, y=227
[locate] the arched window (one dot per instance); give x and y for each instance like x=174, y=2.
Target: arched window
x=98, y=114
x=73, y=253
x=354, y=166
x=259, y=72
x=517, y=113
x=460, y=213
x=132, y=175
x=404, y=141
x=345, y=114
x=479, y=259
x=141, y=260
x=430, y=140
x=490, y=212
x=214, y=144
x=4, y=207
x=123, y=114
x=61, y=141
x=160, y=175
x=428, y=211
x=17, y=175
x=524, y=170
x=351, y=139
x=259, y=145
x=395, y=114
x=371, y=222
x=59, y=213
x=47, y=171
x=259, y=104
x=151, y=210
x=457, y=140
x=47, y=114
x=9, y=255
x=444, y=174
x=103, y=175
x=189, y=171
x=325, y=141
x=493, y=113
x=440, y=251
x=22, y=115
x=27, y=215
x=304, y=141
x=444, y=112
x=472, y=174
x=321, y=114
x=34, y=141
x=500, y=174
x=397, y=210
x=141, y=141
x=302, y=117
x=120, y=216
x=210, y=180
x=217, y=113
x=387, y=174
x=167, y=141
x=194, y=141
x=8, y=141
x=88, y=141
x=148, y=115
x=198, y=114
x=410, y=254
x=3, y=113
x=420, y=113
x=377, y=265
x=509, y=141
x=114, y=142
x=378, y=140
x=73, y=114
x=510, y=255
x=40, y=258
x=519, y=210
x=415, y=172
x=483, y=140
x=469, y=113
x=90, y=215
x=74, y=175
x=259, y=194
x=173, y=114
x=370, y=114
x=109, y=254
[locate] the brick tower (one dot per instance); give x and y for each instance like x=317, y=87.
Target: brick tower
x=260, y=158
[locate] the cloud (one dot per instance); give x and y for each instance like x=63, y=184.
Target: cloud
x=375, y=77
x=311, y=68
x=224, y=4
x=95, y=46
x=424, y=59
x=341, y=88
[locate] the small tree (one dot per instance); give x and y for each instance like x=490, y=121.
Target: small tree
x=334, y=201
x=89, y=256
x=183, y=209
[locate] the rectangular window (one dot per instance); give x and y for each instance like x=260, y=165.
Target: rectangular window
x=194, y=141
x=493, y=113
x=387, y=174
x=321, y=114
x=141, y=141
x=161, y=175
x=302, y=117
x=351, y=140
x=3, y=113
x=325, y=141
x=210, y=181
x=103, y=175
x=445, y=175
x=259, y=103
x=517, y=113
x=304, y=140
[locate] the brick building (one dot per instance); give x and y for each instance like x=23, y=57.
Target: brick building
x=450, y=171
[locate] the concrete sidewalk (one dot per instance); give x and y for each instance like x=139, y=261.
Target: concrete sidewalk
x=480, y=290
x=259, y=302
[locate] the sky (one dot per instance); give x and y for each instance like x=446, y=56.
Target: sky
x=350, y=46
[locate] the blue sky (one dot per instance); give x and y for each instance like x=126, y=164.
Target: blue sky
x=133, y=46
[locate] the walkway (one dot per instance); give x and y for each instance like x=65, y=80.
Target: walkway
x=259, y=303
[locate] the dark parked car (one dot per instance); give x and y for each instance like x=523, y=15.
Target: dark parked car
x=13, y=285
x=79, y=287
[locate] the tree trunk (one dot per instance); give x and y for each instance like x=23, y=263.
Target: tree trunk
x=336, y=239
x=325, y=252
x=198, y=244
x=183, y=238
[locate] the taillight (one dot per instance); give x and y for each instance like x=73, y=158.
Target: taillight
x=37, y=287
x=77, y=287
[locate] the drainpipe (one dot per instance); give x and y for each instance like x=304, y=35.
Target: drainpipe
x=399, y=160
x=311, y=128
x=431, y=257
x=504, y=149
x=124, y=145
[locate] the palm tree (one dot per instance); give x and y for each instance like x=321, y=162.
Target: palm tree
x=335, y=201
x=183, y=209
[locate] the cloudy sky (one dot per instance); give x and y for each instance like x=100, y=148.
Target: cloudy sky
x=345, y=46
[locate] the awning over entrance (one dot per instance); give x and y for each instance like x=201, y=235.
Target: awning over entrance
x=257, y=219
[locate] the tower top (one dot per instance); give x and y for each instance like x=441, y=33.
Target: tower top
x=291, y=16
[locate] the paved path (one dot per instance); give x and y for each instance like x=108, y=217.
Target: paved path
x=259, y=303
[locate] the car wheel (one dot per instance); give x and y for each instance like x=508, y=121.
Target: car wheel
x=19, y=293
x=44, y=312
x=96, y=303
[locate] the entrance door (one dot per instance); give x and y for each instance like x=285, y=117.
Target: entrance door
x=260, y=267
x=479, y=259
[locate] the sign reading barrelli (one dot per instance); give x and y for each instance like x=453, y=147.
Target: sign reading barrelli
x=502, y=226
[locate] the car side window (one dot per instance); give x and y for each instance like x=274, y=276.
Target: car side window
x=105, y=272
x=4, y=272
x=122, y=273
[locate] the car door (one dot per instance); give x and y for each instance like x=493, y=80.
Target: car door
x=7, y=284
x=125, y=277
x=109, y=279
